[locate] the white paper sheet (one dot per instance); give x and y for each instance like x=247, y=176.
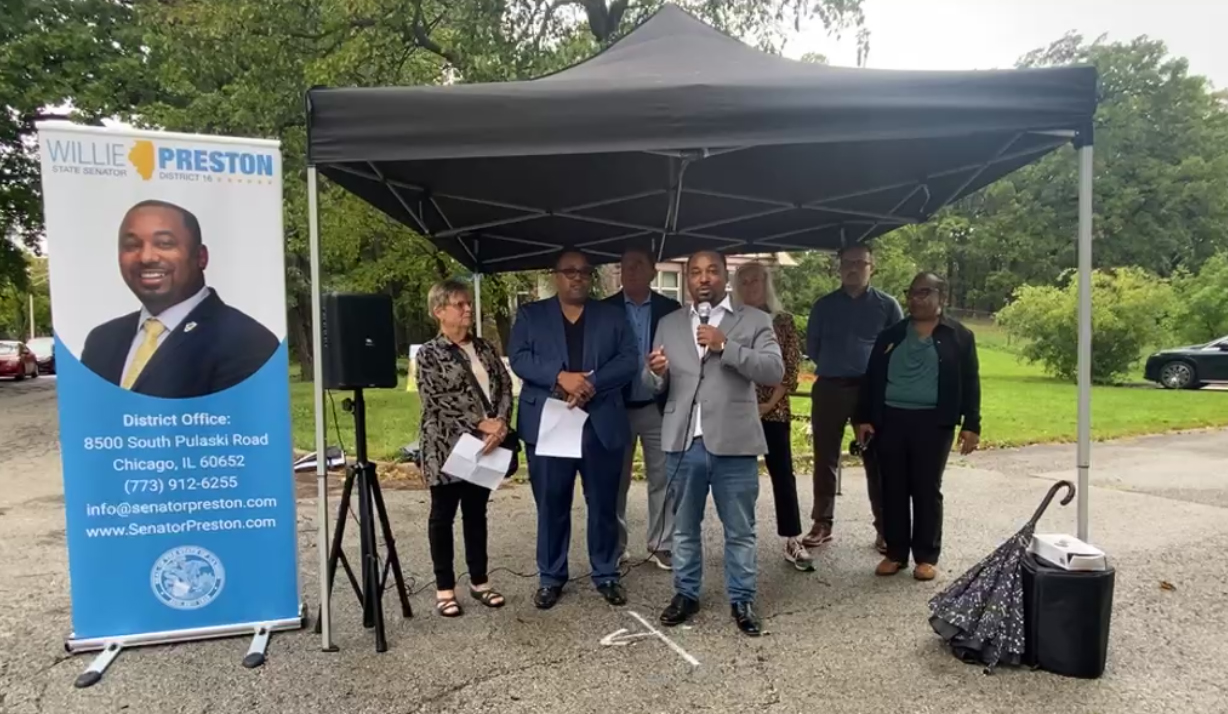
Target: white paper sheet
x=561, y=430
x=468, y=463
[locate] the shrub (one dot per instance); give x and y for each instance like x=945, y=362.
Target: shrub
x=1200, y=311
x=1129, y=311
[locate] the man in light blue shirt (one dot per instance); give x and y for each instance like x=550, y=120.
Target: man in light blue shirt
x=645, y=308
x=840, y=335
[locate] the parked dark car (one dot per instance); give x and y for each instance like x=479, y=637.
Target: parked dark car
x=44, y=353
x=1190, y=367
x=17, y=361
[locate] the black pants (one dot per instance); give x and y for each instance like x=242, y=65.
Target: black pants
x=912, y=453
x=779, y=459
x=472, y=501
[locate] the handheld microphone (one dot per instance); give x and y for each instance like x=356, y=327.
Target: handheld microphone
x=705, y=311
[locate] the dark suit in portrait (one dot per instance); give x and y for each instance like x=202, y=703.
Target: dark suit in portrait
x=213, y=348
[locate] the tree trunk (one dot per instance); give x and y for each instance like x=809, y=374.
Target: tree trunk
x=299, y=323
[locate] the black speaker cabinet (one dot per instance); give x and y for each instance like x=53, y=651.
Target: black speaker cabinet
x=360, y=347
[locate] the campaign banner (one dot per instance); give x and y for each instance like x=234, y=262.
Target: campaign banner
x=168, y=299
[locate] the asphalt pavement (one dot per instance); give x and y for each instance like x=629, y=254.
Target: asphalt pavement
x=839, y=639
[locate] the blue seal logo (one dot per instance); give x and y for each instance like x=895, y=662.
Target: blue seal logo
x=187, y=578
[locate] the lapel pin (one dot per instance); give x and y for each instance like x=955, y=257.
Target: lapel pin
x=189, y=327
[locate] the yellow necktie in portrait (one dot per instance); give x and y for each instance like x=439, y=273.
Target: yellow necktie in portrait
x=153, y=330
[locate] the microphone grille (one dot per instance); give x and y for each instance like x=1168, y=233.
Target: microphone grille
x=704, y=309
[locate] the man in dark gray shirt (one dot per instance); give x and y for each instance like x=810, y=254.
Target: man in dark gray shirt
x=839, y=337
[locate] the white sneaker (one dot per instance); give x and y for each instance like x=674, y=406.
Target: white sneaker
x=797, y=554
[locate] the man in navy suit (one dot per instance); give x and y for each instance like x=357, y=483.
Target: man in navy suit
x=644, y=308
x=580, y=350
x=184, y=341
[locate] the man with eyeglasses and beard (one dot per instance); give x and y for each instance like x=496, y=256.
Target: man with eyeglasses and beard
x=839, y=335
x=580, y=350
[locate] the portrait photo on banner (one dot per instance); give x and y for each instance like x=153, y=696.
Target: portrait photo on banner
x=165, y=289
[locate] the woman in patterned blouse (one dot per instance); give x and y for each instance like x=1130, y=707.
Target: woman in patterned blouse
x=752, y=286
x=464, y=389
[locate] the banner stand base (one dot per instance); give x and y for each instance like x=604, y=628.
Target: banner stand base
x=93, y=675
x=255, y=653
x=110, y=647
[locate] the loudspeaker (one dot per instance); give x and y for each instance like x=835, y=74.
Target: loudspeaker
x=360, y=347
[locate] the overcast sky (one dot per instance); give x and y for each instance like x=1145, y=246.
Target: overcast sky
x=988, y=34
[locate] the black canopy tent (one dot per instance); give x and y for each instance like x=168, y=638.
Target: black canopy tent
x=684, y=136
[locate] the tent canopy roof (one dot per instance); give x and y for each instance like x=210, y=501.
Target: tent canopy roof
x=684, y=136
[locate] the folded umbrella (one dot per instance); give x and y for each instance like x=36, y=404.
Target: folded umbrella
x=981, y=614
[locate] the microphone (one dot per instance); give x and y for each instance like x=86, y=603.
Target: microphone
x=705, y=311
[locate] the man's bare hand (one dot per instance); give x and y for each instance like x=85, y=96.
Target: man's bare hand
x=576, y=384
x=864, y=433
x=710, y=337
x=968, y=441
x=658, y=363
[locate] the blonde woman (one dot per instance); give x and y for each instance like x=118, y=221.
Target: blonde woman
x=464, y=389
x=752, y=286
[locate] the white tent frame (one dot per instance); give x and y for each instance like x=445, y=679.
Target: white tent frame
x=1083, y=143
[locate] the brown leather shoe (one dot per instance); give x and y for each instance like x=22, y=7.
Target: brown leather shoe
x=924, y=571
x=888, y=567
x=820, y=534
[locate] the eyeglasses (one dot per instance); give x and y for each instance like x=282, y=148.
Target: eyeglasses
x=575, y=273
x=854, y=264
x=921, y=293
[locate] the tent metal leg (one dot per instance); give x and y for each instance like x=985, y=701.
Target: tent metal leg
x=1085, y=334
x=317, y=388
x=477, y=303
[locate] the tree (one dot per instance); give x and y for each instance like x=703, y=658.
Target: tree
x=1161, y=190
x=240, y=67
x=78, y=59
x=1130, y=310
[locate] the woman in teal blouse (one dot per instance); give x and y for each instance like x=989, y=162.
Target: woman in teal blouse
x=922, y=382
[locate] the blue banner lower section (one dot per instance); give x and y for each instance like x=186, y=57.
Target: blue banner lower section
x=180, y=512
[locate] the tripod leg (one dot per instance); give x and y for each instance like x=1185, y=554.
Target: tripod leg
x=369, y=558
x=393, y=559
x=334, y=552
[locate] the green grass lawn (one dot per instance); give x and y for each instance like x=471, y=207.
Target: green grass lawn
x=1020, y=406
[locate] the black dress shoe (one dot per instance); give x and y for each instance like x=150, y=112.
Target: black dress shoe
x=547, y=597
x=679, y=611
x=613, y=593
x=748, y=621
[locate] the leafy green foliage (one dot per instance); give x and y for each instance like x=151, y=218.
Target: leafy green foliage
x=1161, y=184
x=74, y=59
x=1201, y=304
x=1130, y=310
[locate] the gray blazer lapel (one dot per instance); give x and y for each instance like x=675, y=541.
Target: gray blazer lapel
x=730, y=323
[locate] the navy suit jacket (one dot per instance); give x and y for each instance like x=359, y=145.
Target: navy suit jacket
x=660, y=306
x=223, y=347
x=538, y=352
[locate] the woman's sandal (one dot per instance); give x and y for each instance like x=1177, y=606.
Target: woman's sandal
x=489, y=598
x=449, y=607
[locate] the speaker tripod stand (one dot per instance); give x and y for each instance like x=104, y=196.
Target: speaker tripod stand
x=370, y=591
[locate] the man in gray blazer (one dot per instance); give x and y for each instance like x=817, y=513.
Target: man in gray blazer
x=708, y=357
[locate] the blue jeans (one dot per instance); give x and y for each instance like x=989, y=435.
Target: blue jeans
x=734, y=482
